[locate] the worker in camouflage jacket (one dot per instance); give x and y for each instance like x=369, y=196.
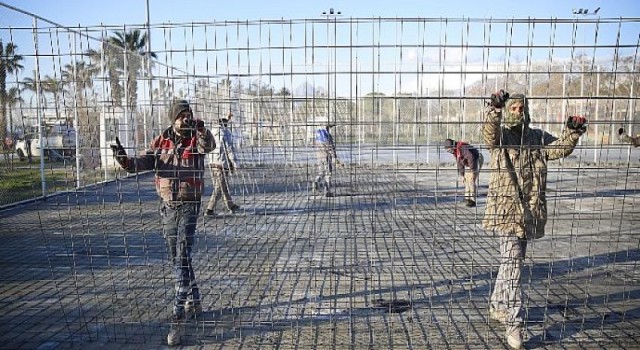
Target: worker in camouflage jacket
x=470, y=158
x=177, y=156
x=516, y=204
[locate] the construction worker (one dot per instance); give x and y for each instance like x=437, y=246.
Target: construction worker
x=516, y=209
x=326, y=154
x=467, y=157
x=177, y=156
x=222, y=162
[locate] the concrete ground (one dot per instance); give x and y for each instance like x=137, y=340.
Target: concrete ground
x=88, y=269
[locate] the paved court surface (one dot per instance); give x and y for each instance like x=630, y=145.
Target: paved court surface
x=88, y=270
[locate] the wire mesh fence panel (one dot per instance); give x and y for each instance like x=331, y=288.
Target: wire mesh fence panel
x=372, y=247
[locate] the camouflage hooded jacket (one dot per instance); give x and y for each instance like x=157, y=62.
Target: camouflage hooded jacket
x=178, y=163
x=634, y=141
x=516, y=200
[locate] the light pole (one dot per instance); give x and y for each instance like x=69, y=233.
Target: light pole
x=580, y=12
x=331, y=62
x=584, y=12
x=149, y=76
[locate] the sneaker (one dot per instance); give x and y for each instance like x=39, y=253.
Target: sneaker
x=192, y=307
x=329, y=194
x=234, y=207
x=514, y=337
x=498, y=315
x=470, y=203
x=209, y=212
x=175, y=333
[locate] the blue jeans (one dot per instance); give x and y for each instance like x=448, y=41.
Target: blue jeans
x=178, y=228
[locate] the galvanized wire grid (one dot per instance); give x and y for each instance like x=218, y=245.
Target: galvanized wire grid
x=297, y=271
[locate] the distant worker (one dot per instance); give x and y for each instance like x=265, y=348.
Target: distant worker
x=470, y=158
x=177, y=157
x=27, y=146
x=635, y=141
x=326, y=154
x=222, y=163
x=516, y=203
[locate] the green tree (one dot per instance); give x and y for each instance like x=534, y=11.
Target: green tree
x=108, y=58
x=9, y=64
x=134, y=44
x=283, y=92
x=13, y=98
x=48, y=85
x=163, y=94
x=79, y=77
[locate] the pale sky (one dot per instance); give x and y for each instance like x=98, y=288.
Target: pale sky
x=81, y=13
x=85, y=13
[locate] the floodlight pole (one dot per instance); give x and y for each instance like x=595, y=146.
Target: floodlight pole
x=583, y=12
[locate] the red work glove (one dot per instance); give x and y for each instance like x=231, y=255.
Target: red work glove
x=577, y=123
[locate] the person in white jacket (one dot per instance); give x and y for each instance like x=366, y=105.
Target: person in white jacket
x=222, y=162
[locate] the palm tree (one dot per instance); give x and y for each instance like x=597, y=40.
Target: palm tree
x=135, y=44
x=163, y=94
x=109, y=58
x=48, y=85
x=9, y=64
x=130, y=53
x=80, y=76
x=13, y=98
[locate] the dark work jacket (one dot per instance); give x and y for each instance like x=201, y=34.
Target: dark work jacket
x=178, y=163
x=466, y=156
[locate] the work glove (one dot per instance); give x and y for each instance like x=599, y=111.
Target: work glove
x=499, y=99
x=119, y=153
x=620, y=131
x=577, y=123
